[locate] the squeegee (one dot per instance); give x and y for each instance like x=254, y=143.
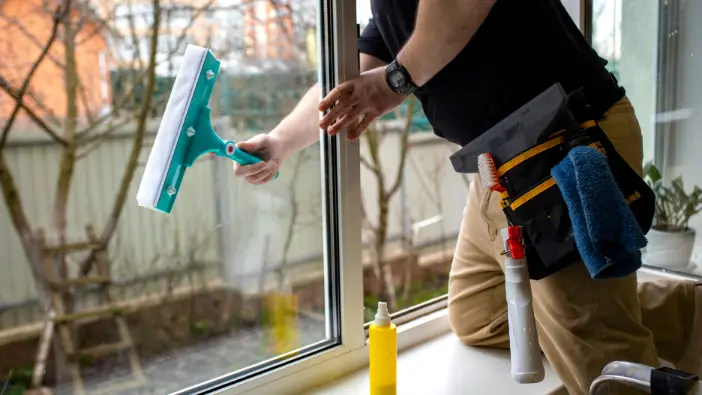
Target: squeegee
x=185, y=132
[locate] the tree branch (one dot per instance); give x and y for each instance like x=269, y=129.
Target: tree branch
x=290, y=233
x=135, y=39
x=66, y=167
x=5, y=86
x=98, y=139
x=98, y=23
x=82, y=134
x=59, y=14
x=36, y=101
x=31, y=37
x=21, y=223
x=84, y=98
x=404, y=147
x=370, y=167
x=373, y=141
x=420, y=177
x=133, y=160
x=365, y=221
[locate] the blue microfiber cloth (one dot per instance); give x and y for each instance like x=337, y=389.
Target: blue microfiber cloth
x=606, y=232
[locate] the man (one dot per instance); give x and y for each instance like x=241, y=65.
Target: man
x=471, y=63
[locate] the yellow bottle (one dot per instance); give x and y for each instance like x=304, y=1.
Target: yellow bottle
x=382, y=336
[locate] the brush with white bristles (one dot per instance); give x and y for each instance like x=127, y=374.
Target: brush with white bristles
x=488, y=173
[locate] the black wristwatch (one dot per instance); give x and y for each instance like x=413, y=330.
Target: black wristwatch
x=399, y=80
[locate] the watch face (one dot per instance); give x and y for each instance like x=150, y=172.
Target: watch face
x=397, y=79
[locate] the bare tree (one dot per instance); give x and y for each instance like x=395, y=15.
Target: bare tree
x=283, y=286
x=80, y=130
x=385, y=191
x=292, y=222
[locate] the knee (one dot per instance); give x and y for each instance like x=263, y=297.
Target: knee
x=474, y=327
x=468, y=334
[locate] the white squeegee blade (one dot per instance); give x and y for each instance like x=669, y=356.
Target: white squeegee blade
x=171, y=127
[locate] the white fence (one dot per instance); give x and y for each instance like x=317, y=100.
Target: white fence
x=221, y=226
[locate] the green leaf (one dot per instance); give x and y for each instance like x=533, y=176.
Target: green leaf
x=651, y=172
x=679, y=188
x=673, y=206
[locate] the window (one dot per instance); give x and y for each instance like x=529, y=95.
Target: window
x=629, y=42
x=655, y=48
x=410, y=227
x=237, y=281
x=413, y=223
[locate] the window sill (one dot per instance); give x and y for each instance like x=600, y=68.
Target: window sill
x=443, y=365
x=329, y=366
x=423, y=343
x=455, y=368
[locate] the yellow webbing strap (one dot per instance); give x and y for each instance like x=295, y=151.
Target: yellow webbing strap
x=504, y=199
x=596, y=145
x=543, y=187
x=633, y=197
x=532, y=152
x=588, y=124
x=532, y=193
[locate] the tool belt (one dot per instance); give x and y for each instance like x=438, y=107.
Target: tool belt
x=548, y=127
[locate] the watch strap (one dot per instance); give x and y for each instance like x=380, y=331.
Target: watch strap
x=407, y=87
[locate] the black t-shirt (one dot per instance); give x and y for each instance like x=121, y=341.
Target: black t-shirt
x=521, y=49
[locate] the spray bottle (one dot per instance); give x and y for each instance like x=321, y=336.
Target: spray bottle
x=527, y=365
x=382, y=336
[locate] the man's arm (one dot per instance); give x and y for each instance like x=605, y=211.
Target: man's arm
x=443, y=28
x=300, y=128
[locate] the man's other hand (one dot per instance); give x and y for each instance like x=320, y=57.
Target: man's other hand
x=266, y=147
x=356, y=103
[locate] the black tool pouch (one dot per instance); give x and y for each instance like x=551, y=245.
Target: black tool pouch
x=533, y=201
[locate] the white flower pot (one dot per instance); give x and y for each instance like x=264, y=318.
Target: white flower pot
x=669, y=250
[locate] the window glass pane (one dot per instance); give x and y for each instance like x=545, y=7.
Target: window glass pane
x=624, y=32
x=412, y=201
x=232, y=278
x=656, y=50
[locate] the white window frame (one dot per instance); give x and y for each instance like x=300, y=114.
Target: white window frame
x=352, y=353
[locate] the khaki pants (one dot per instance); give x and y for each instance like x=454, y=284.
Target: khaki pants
x=583, y=323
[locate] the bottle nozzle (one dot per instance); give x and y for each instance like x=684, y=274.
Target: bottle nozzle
x=382, y=316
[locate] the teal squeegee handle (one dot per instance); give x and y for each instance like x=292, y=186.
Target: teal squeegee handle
x=202, y=138
x=240, y=156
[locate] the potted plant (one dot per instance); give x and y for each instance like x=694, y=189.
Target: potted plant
x=671, y=240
